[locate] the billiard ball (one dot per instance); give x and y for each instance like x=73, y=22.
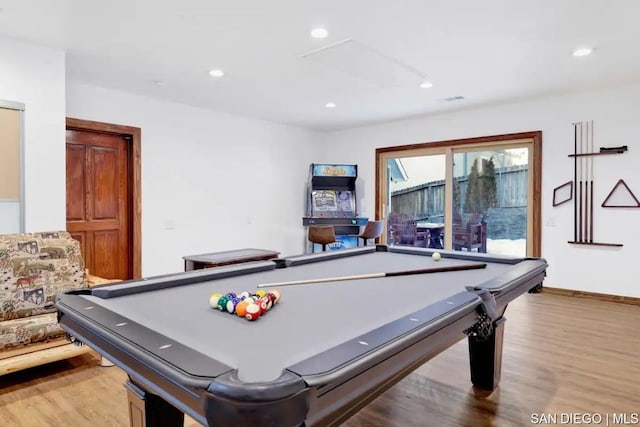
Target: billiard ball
x=260, y=302
x=265, y=303
x=213, y=300
x=436, y=256
x=232, y=303
x=222, y=302
x=253, y=311
x=241, y=308
x=272, y=297
x=276, y=293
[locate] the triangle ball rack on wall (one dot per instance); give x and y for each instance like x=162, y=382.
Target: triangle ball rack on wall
x=607, y=204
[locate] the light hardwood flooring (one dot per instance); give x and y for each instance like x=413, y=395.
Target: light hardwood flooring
x=561, y=355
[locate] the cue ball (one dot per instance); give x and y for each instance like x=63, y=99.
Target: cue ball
x=436, y=256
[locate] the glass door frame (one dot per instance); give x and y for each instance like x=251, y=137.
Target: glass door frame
x=531, y=140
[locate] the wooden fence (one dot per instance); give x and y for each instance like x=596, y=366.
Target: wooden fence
x=426, y=201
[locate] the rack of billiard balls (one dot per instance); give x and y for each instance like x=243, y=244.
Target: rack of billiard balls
x=248, y=305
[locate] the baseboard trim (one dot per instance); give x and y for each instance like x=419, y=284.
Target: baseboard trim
x=592, y=295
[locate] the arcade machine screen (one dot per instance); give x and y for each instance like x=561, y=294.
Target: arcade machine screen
x=333, y=203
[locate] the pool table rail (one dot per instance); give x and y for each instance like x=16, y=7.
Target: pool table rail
x=283, y=402
x=344, y=392
x=155, y=283
x=360, y=365
x=146, y=370
x=209, y=383
x=335, y=362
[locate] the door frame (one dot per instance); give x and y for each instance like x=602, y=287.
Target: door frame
x=447, y=147
x=133, y=137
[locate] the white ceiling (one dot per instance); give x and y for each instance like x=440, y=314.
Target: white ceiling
x=488, y=51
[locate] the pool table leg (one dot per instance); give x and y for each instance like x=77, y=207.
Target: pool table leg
x=149, y=410
x=485, y=357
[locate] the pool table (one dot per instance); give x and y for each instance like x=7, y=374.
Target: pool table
x=323, y=352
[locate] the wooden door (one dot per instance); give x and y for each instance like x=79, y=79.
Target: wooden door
x=98, y=201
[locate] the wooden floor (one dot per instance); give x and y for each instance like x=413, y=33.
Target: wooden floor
x=561, y=355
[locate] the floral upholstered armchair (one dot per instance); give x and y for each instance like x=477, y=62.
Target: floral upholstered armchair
x=34, y=269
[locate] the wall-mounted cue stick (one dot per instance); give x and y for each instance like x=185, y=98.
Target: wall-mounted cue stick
x=575, y=182
x=592, y=179
x=473, y=266
x=583, y=181
x=581, y=164
x=586, y=187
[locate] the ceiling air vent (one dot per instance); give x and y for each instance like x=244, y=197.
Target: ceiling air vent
x=454, y=98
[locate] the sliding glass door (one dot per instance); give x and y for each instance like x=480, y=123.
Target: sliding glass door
x=478, y=195
x=416, y=200
x=490, y=200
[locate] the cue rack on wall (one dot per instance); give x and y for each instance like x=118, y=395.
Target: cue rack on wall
x=583, y=182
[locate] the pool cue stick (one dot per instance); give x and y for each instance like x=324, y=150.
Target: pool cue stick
x=583, y=150
x=575, y=182
x=586, y=186
x=377, y=275
x=586, y=183
x=592, y=175
x=580, y=189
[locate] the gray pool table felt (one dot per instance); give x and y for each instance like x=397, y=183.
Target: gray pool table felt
x=309, y=319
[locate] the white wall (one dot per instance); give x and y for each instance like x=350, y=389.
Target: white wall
x=35, y=77
x=615, y=113
x=225, y=181
x=210, y=181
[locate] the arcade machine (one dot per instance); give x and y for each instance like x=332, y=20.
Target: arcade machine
x=331, y=200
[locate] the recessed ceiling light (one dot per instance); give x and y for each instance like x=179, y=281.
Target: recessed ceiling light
x=583, y=51
x=216, y=73
x=330, y=105
x=319, y=33
x=426, y=85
